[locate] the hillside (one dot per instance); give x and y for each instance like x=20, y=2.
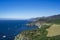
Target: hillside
x=49, y=18
x=43, y=33
x=54, y=30
x=49, y=29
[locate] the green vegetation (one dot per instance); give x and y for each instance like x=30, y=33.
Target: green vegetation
x=46, y=32
x=56, y=21
x=39, y=34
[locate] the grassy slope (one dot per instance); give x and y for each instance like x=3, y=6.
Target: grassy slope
x=54, y=30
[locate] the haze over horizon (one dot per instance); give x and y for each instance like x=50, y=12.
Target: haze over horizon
x=25, y=9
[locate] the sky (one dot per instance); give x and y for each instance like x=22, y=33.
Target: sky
x=24, y=9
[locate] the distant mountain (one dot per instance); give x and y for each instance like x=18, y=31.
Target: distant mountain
x=54, y=17
x=46, y=18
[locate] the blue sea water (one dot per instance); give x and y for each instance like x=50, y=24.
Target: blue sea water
x=10, y=28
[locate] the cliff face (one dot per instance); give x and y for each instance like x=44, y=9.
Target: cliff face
x=19, y=37
x=26, y=35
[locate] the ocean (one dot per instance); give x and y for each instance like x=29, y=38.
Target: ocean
x=10, y=28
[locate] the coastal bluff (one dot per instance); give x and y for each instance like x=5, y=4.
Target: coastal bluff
x=48, y=29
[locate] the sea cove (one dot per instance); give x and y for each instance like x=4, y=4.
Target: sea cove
x=10, y=28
